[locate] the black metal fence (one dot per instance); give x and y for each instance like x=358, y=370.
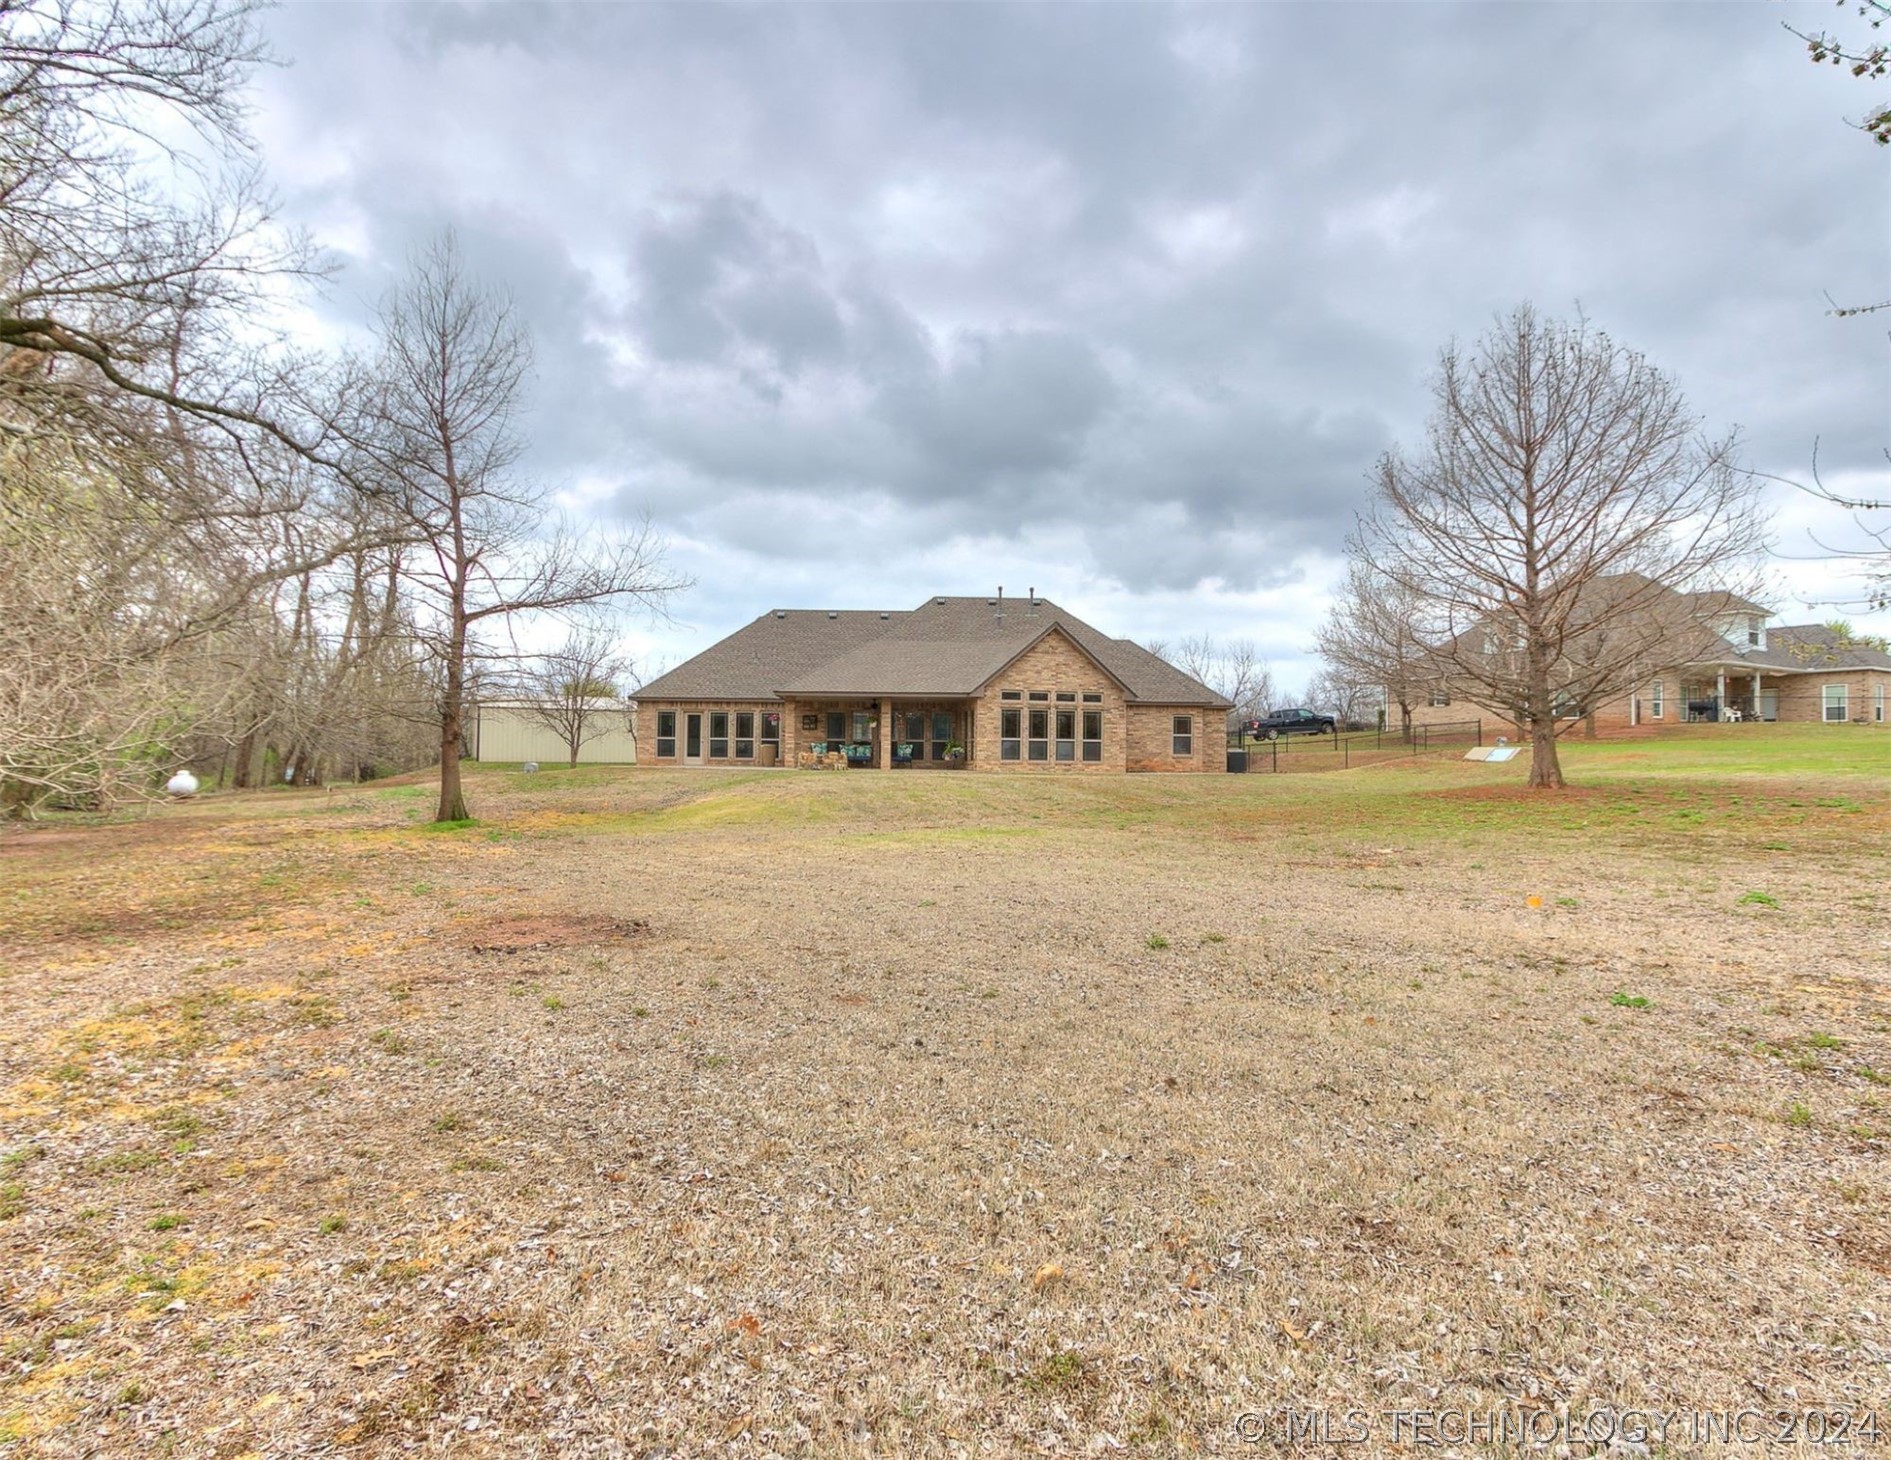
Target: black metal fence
x=1344, y=749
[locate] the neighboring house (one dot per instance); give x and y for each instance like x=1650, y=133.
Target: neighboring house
x=991, y=684
x=507, y=730
x=1734, y=667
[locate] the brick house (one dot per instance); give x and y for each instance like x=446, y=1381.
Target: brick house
x=985, y=684
x=1736, y=668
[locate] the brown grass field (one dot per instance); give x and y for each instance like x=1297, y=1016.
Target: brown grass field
x=672, y=1113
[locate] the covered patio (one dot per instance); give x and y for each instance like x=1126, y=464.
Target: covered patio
x=884, y=733
x=1733, y=691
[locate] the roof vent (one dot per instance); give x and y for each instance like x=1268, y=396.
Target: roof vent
x=884, y=614
x=832, y=614
x=991, y=603
x=781, y=613
x=940, y=602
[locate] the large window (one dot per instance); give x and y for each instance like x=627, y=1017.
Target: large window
x=718, y=734
x=1837, y=708
x=666, y=734
x=1439, y=696
x=1182, y=735
x=1010, y=733
x=1066, y=734
x=1093, y=735
x=1038, y=747
x=745, y=735
x=863, y=725
x=1655, y=707
x=771, y=729
x=836, y=725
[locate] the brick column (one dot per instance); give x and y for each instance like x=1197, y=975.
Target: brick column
x=886, y=734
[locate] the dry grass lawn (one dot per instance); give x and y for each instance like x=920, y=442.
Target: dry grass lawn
x=669, y=1113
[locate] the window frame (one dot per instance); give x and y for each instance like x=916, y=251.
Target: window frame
x=770, y=728
x=1181, y=736
x=1011, y=732
x=669, y=739
x=718, y=717
x=1843, y=703
x=836, y=724
x=1657, y=700
x=1091, y=745
x=1037, y=734
x=745, y=743
x=1065, y=746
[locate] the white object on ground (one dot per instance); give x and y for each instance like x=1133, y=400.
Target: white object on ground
x=182, y=784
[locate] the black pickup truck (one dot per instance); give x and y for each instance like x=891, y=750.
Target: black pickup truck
x=1290, y=722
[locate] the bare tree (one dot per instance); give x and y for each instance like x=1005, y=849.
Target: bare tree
x=104, y=255
x=1232, y=668
x=1871, y=516
x=1564, y=505
x=1349, y=698
x=439, y=435
x=1370, y=636
x=577, y=690
x=1869, y=59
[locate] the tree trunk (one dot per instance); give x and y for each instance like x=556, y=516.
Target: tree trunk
x=452, y=805
x=574, y=758
x=244, y=775
x=1546, y=771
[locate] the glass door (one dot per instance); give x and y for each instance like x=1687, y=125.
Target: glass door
x=692, y=739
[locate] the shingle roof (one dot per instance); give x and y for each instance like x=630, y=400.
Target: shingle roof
x=946, y=646
x=753, y=662
x=1819, y=646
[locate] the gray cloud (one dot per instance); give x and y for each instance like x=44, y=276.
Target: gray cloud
x=883, y=292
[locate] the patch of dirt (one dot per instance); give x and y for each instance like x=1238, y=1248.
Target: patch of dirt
x=527, y=933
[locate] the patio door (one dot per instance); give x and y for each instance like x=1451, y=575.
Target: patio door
x=692, y=739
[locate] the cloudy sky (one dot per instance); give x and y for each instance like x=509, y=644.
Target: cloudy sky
x=867, y=302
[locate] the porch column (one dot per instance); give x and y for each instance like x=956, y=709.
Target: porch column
x=1756, y=715
x=886, y=734
x=1720, y=693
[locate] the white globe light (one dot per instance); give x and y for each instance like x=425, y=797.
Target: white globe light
x=181, y=785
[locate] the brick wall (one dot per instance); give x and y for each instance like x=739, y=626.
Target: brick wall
x=1151, y=745
x=1055, y=663
x=647, y=729
x=1802, y=696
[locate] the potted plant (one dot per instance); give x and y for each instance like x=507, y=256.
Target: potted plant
x=954, y=753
